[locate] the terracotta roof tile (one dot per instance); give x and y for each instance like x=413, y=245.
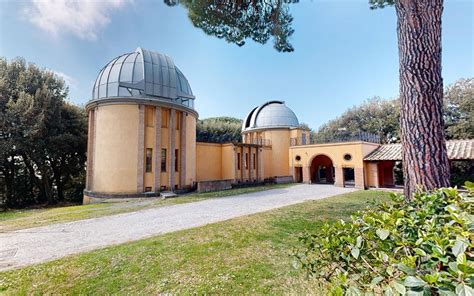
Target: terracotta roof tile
x=457, y=150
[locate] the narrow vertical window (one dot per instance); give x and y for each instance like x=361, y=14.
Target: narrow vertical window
x=178, y=120
x=164, y=118
x=148, y=160
x=176, y=160
x=149, y=116
x=254, y=161
x=238, y=161
x=163, y=160
x=246, y=160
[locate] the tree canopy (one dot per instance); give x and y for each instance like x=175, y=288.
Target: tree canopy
x=43, y=137
x=219, y=130
x=236, y=21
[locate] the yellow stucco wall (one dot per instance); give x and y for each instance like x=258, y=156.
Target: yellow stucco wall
x=228, y=162
x=115, y=151
x=208, y=161
x=190, y=149
x=267, y=162
x=336, y=152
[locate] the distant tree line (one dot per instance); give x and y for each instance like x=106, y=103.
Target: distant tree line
x=219, y=130
x=382, y=117
x=43, y=138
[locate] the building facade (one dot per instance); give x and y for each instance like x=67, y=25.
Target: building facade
x=142, y=140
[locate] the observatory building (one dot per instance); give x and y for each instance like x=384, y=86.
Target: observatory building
x=142, y=140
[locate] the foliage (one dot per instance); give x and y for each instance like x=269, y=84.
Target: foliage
x=43, y=137
x=420, y=247
x=375, y=116
x=459, y=109
x=219, y=130
x=236, y=21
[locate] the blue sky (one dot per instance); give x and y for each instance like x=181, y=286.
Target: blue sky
x=344, y=52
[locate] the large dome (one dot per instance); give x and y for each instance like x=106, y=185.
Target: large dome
x=143, y=74
x=273, y=114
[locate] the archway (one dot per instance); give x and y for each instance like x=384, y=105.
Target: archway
x=322, y=170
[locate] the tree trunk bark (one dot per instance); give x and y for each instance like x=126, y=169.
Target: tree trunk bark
x=425, y=160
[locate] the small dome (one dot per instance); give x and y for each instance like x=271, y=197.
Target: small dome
x=143, y=74
x=273, y=114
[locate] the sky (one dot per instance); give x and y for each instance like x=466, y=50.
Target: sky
x=344, y=52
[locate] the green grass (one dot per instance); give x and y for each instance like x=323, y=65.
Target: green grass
x=246, y=255
x=20, y=219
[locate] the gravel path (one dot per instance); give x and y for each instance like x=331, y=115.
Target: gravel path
x=40, y=244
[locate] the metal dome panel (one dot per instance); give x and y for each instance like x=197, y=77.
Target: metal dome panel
x=272, y=114
x=143, y=74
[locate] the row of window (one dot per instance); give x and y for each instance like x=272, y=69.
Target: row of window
x=246, y=161
x=165, y=113
x=149, y=160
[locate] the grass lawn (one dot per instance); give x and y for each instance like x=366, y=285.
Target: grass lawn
x=246, y=255
x=20, y=219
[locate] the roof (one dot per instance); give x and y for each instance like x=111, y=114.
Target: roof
x=457, y=150
x=143, y=74
x=272, y=114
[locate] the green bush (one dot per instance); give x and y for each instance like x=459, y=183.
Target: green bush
x=420, y=247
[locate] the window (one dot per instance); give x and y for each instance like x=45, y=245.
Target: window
x=178, y=120
x=238, y=161
x=347, y=157
x=149, y=116
x=147, y=189
x=254, y=161
x=148, y=160
x=298, y=158
x=246, y=160
x=176, y=160
x=163, y=160
x=303, y=139
x=164, y=118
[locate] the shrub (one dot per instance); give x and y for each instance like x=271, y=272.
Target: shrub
x=420, y=247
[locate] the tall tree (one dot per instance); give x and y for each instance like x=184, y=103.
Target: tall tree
x=425, y=160
x=43, y=137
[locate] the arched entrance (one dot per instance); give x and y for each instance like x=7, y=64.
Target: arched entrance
x=322, y=170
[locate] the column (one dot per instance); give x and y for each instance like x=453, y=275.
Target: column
x=172, y=144
x=306, y=174
x=359, y=178
x=250, y=163
x=339, y=174
x=90, y=149
x=157, y=148
x=182, y=150
x=141, y=147
x=242, y=163
x=236, y=164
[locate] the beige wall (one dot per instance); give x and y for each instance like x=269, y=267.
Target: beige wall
x=208, y=161
x=190, y=150
x=117, y=155
x=115, y=151
x=336, y=152
x=228, y=162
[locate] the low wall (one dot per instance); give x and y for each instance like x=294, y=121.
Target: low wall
x=214, y=185
x=283, y=179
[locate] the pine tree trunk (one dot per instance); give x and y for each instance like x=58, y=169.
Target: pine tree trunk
x=425, y=160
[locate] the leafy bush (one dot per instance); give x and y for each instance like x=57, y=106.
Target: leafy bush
x=420, y=247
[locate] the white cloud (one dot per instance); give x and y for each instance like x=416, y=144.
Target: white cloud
x=83, y=18
x=70, y=81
